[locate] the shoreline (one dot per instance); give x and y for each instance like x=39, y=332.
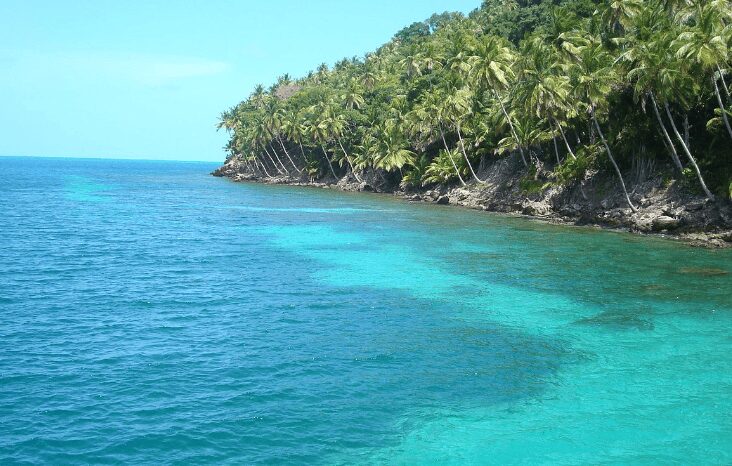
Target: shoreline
x=668, y=214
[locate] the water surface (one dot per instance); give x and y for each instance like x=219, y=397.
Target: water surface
x=150, y=313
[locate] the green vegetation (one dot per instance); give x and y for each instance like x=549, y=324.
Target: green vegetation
x=569, y=84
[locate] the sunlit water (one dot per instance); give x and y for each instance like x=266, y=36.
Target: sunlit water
x=150, y=313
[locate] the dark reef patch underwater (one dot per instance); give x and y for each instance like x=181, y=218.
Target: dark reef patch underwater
x=151, y=313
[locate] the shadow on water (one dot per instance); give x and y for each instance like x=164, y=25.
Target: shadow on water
x=630, y=319
x=171, y=328
x=703, y=271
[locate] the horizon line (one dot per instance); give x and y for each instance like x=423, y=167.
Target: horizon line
x=81, y=157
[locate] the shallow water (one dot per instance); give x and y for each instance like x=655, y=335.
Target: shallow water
x=150, y=313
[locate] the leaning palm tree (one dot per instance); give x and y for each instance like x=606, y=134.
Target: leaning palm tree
x=317, y=130
x=429, y=117
x=543, y=87
x=260, y=137
x=491, y=68
x=273, y=122
x=457, y=107
x=705, y=43
x=666, y=80
x=650, y=67
x=594, y=77
x=294, y=131
x=335, y=123
x=277, y=128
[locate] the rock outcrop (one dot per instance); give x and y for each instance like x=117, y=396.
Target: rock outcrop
x=663, y=208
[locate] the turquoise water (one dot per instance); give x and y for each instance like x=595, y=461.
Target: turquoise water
x=152, y=314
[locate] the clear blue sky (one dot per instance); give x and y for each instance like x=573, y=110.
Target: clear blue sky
x=147, y=79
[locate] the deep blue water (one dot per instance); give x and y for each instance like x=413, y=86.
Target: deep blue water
x=153, y=314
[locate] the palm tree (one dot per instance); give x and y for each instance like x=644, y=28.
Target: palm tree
x=705, y=42
x=258, y=96
x=390, y=151
x=293, y=130
x=412, y=66
x=273, y=122
x=335, y=123
x=457, y=107
x=617, y=14
x=318, y=132
x=529, y=132
x=544, y=87
x=594, y=79
x=429, y=116
x=490, y=68
x=651, y=66
x=277, y=128
x=353, y=97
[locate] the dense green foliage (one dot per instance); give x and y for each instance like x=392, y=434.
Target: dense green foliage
x=572, y=85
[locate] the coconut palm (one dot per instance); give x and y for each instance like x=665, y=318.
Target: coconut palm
x=391, y=150
x=353, y=96
x=335, y=124
x=429, y=117
x=261, y=137
x=594, y=80
x=651, y=67
x=705, y=43
x=317, y=130
x=543, y=87
x=293, y=130
x=458, y=107
x=491, y=68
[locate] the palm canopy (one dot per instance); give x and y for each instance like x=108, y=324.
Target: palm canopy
x=512, y=76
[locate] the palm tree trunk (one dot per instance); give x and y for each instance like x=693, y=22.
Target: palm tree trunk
x=510, y=125
x=708, y=193
x=272, y=160
x=591, y=131
x=302, y=153
x=669, y=142
x=724, y=83
x=462, y=148
x=610, y=155
x=447, y=150
x=251, y=165
x=252, y=168
x=721, y=107
x=329, y=164
x=348, y=159
x=564, y=137
x=278, y=158
x=288, y=155
x=556, y=148
x=264, y=167
x=273, y=167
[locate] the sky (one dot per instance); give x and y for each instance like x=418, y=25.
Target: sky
x=148, y=79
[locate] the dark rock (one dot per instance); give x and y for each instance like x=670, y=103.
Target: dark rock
x=594, y=200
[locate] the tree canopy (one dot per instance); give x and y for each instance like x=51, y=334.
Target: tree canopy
x=571, y=84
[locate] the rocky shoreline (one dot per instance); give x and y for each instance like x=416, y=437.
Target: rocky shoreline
x=664, y=207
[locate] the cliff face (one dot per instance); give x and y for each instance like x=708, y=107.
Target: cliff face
x=663, y=207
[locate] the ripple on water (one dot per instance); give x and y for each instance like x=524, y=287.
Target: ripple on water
x=302, y=326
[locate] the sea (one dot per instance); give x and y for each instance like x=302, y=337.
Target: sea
x=153, y=314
